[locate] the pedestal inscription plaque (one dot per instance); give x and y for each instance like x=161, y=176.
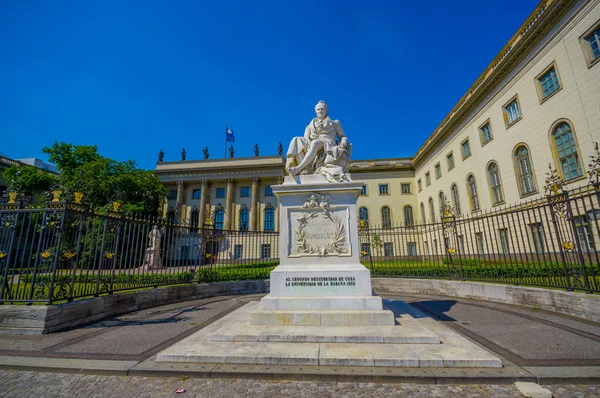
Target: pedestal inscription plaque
x=318, y=229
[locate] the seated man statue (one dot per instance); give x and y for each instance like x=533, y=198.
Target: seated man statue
x=324, y=149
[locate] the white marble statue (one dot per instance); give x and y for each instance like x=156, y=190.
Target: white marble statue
x=324, y=149
x=152, y=260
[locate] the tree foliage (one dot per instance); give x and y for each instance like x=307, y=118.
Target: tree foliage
x=29, y=179
x=104, y=180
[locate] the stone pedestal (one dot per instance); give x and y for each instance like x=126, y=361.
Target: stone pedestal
x=320, y=275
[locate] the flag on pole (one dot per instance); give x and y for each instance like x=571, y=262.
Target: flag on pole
x=229, y=135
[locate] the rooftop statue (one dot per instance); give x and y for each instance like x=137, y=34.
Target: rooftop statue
x=324, y=149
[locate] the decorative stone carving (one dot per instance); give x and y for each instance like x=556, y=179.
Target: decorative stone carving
x=320, y=231
x=231, y=151
x=205, y=152
x=183, y=153
x=161, y=156
x=255, y=149
x=324, y=149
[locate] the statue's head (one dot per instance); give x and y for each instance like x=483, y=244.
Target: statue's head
x=321, y=109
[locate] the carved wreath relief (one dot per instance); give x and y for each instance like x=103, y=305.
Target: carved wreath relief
x=320, y=230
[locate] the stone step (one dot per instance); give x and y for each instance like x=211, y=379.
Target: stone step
x=323, y=318
x=352, y=303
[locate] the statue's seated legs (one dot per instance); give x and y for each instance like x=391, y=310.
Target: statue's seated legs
x=314, y=148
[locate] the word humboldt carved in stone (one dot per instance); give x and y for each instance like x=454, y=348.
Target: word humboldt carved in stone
x=319, y=229
x=321, y=281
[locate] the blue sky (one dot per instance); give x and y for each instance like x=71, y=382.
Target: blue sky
x=135, y=77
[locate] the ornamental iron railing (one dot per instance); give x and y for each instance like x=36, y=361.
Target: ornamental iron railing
x=64, y=250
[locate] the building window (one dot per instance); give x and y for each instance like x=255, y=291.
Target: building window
x=427, y=179
x=465, y=148
x=408, y=216
x=419, y=185
x=455, y=199
x=411, y=248
x=524, y=171
x=566, y=152
x=219, y=219
x=363, y=191
x=431, y=210
x=366, y=249
x=196, y=193
x=363, y=217
x=442, y=202
x=388, y=249
x=450, y=160
x=265, y=251
x=245, y=192
x=405, y=188
x=244, y=220
x=485, y=133
x=472, y=189
x=537, y=236
x=384, y=189
x=268, y=190
x=512, y=112
x=173, y=194
x=238, y=251
x=422, y=209
x=503, y=235
x=438, y=171
x=269, y=219
x=194, y=218
x=495, y=183
x=590, y=42
x=547, y=82
x=461, y=244
x=171, y=217
x=584, y=233
x=479, y=239
x=220, y=193
x=386, y=217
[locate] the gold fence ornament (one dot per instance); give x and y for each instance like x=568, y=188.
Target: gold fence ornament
x=116, y=206
x=12, y=197
x=56, y=195
x=78, y=197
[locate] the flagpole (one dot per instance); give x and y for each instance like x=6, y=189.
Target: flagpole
x=225, y=151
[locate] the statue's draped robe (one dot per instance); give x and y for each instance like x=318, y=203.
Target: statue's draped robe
x=329, y=164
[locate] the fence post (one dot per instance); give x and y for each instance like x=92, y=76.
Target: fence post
x=577, y=247
x=9, y=223
x=57, y=251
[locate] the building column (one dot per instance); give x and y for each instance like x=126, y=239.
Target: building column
x=228, y=204
x=203, y=197
x=254, y=204
x=276, y=213
x=179, y=205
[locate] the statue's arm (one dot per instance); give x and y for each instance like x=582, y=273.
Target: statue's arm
x=340, y=133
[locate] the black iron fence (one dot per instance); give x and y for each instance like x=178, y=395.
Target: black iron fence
x=65, y=251
x=552, y=242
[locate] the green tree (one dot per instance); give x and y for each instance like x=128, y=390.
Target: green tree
x=376, y=243
x=30, y=180
x=104, y=180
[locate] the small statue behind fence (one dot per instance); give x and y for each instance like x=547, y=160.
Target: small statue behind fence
x=152, y=260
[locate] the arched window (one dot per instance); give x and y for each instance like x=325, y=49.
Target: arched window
x=423, y=220
x=566, y=151
x=472, y=190
x=219, y=216
x=408, y=215
x=244, y=220
x=455, y=199
x=442, y=201
x=171, y=217
x=524, y=171
x=363, y=217
x=495, y=183
x=194, y=217
x=269, y=219
x=431, y=210
x=386, y=217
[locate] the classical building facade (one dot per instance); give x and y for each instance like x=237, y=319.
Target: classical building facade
x=537, y=104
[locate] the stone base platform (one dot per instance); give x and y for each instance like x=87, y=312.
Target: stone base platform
x=418, y=341
x=322, y=318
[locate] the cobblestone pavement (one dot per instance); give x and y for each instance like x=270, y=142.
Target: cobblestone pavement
x=39, y=384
